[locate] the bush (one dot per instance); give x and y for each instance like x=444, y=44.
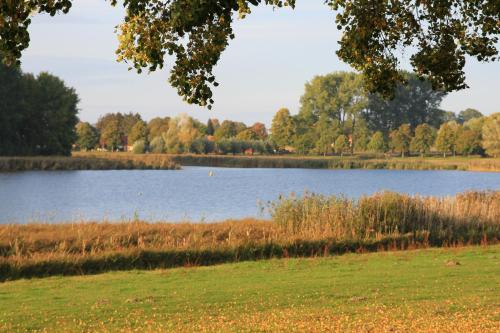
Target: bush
x=139, y=147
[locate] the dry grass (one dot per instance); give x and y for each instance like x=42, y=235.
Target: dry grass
x=309, y=226
x=360, y=161
x=110, y=161
x=38, y=240
x=84, y=162
x=467, y=217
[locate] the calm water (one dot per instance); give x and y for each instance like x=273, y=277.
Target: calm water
x=190, y=194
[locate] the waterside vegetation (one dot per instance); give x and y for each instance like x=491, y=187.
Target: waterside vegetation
x=108, y=162
x=358, y=161
x=309, y=226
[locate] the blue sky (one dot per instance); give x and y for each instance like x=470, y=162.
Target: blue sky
x=263, y=69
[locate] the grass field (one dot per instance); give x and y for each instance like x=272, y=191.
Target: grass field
x=434, y=290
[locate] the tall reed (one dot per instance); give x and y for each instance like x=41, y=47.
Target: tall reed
x=466, y=217
x=85, y=162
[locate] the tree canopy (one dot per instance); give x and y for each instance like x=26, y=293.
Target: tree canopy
x=37, y=114
x=440, y=34
x=491, y=135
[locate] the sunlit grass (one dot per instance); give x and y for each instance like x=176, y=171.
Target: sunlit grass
x=437, y=290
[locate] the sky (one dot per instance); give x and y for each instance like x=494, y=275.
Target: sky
x=265, y=68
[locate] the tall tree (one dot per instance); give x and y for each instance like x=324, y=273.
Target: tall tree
x=173, y=144
x=187, y=131
x=87, y=136
x=157, y=126
x=260, y=130
x=37, y=114
x=210, y=127
x=111, y=135
x=377, y=143
x=229, y=129
x=328, y=131
x=127, y=122
x=283, y=128
x=338, y=95
x=467, y=115
x=138, y=132
x=468, y=142
x=447, y=116
x=247, y=135
x=13, y=103
x=335, y=98
x=491, y=135
x=361, y=135
x=423, y=140
x=401, y=139
x=414, y=103
x=446, y=138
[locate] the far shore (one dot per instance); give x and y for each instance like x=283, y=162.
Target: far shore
x=123, y=160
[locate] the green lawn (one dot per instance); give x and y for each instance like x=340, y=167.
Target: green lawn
x=426, y=290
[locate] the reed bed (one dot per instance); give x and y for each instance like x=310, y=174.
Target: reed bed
x=121, y=160
x=10, y=164
x=467, y=218
x=311, y=225
x=362, y=161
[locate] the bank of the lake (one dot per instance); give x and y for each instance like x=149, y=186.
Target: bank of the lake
x=432, y=290
x=86, y=162
x=362, y=161
x=122, y=160
x=310, y=226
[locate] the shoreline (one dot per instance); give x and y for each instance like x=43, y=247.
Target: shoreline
x=299, y=227
x=72, y=163
x=129, y=161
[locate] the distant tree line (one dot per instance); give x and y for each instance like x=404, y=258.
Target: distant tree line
x=38, y=114
x=337, y=116
x=182, y=134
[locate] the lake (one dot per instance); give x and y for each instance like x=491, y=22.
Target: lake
x=191, y=194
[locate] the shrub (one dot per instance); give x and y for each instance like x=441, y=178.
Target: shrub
x=139, y=147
